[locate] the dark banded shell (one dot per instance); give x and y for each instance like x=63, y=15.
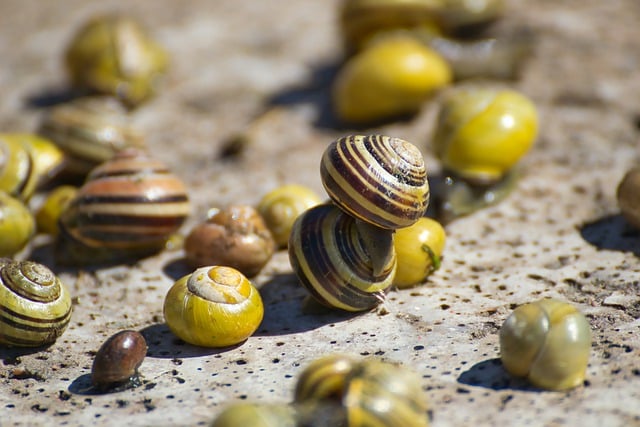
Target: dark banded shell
x=331, y=258
x=35, y=306
x=379, y=179
x=90, y=131
x=324, y=378
x=129, y=207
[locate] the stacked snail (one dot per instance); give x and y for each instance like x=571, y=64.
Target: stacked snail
x=405, y=51
x=343, y=252
x=338, y=390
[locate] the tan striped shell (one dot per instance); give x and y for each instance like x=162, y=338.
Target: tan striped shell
x=35, y=306
x=333, y=259
x=379, y=179
x=128, y=207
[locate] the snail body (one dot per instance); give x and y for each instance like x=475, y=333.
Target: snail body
x=128, y=207
x=118, y=359
x=26, y=161
x=548, y=342
x=213, y=307
x=628, y=198
x=113, y=54
x=378, y=179
x=90, y=131
x=235, y=236
x=333, y=260
x=280, y=208
x=17, y=225
x=392, y=77
x=35, y=306
x=418, y=249
x=483, y=132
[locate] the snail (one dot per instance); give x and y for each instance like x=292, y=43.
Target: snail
x=371, y=392
x=360, y=20
x=117, y=361
x=391, y=78
x=280, y=207
x=342, y=265
x=114, y=54
x=56, y=202
x=128, y=208
x=214, y=306
x=35, y=306
x=548, y=342
x=378, y=179
x=256, y=415
x=628, y=197
x=17, y=225
x=89, y=131
x=418, y=249
x=235, y=236
x=26, y=162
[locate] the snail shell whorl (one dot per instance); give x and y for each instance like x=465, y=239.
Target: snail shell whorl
x=35, y=306
x=324, y=378
x=129, y=202
x=378, y=179
x=329, y=256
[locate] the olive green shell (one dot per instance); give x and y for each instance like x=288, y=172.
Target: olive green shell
x=17, y=225
x=378, y=179
x=113, y=54
x=254, y=415
x=334, y=261
x=128, y=208
x=214, y=306
x=90, y=131
x=35, y=306
x=548, y=342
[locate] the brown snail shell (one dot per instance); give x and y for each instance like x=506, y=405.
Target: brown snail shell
x=118, y=359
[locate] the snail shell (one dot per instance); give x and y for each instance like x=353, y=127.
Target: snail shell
x=90, y=131
x=35, y=306
x=280, y=207
x=378, y=179
x=213, y=307
x=418, y=249
x=391, y=78
x=27, y=161
x=114, y=55
x=128, y=207
x=628, y=195
x=333, y=259
x=254, y=415
x=548, y=342
x=235, y=236
x=56, y=202
x=118, y=359
x=17, y=225
x=483, y=132
x=324, y=378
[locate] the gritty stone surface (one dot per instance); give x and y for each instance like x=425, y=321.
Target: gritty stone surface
x=263, y=70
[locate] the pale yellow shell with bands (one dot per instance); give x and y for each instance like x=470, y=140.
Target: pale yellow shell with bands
x=548, y=342
x=17, y=225
x=56, y=202
x=280, y=208
x=392, y=77
x=27, y=161
x=35, y=306
x=483, y=132
x=214, y=306
x=418, y=249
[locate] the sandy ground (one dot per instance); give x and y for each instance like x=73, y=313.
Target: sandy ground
x=560, y=234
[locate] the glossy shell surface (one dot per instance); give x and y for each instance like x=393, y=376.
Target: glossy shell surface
x=419, y=249
x=17, y=225
x=628, y=196
x=118, y=359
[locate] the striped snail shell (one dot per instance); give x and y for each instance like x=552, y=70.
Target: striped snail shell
x=334, y=261
x=324, y=378
x=35, y=306
x=548, y=342
x=214, y=306
x=27, y=161
x=90, y=131
x=128, y=207
x=17, y=225
x=378, y=179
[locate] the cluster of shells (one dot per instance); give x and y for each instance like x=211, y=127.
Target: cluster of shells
x=347, y=252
